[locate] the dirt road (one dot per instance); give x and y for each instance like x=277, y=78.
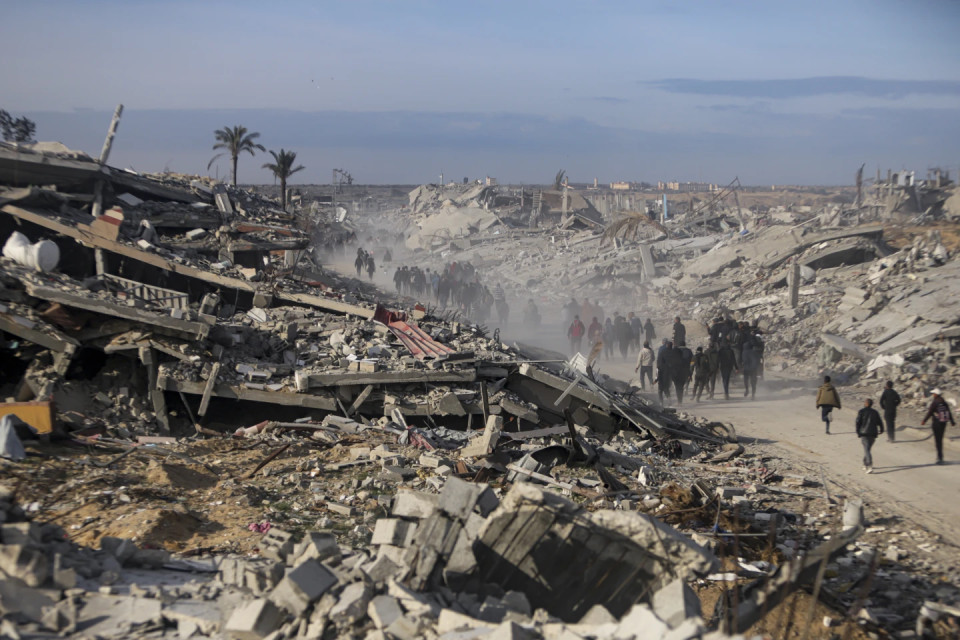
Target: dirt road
x=905, y=478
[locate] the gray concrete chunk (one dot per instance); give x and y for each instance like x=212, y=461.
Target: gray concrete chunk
x=384, y=610
x=254, y=620
x=675, y=603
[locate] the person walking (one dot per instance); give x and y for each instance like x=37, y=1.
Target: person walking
x=595, y=332
x=869, y=426
x=575, y=332
x=664, y=372
x=889, y=401
x=751, y=370
x=679, y=332
x=727, y=362
x=713, y=354
x=608, y=339
x=827, y=400
x=645, y=365
x=680, y=360
x=622, y=329
x=939, y=412
x=701, y=373
x=648, y=333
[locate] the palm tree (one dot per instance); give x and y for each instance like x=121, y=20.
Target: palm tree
x=234, y=140
x=282, y=168
x=558, y=179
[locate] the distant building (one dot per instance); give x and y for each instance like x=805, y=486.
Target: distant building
x=687, y=187
x=620, y=186
x=491, y=182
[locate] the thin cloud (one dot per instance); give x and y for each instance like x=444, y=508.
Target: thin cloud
x=806, y=87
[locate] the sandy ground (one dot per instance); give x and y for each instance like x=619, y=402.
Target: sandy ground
x=783, y=416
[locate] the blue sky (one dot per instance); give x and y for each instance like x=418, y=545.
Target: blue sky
x=397, y=92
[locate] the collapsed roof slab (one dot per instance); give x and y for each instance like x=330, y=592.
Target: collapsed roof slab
x=238, y=392
x=306, y=381
x=92, y=240
x=161, y=322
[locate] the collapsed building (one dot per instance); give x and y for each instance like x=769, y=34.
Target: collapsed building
x=424, y=478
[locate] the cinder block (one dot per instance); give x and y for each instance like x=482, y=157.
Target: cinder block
x=676, y=602
x=384, y=610
x=21, y=533
x=414, y=504
x=317, y=545
x=254, y=620
x=459, y=497
x=276, y=544
x=120, y=548
x=352, y=604
x=30, y=565
x=303, y=586
x=640, y=617
x=381, y=568
x=394, y=531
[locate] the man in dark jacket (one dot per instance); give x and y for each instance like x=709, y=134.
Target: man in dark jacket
x=889, y=401
x=751, y=369
x=940, y=412
x=869, y=426
x=679, y=332
x=623, y=331
x=701, y=373
x=648, y=333
x=713, y=354
x=664, y=372
x=727, y=363
x=680, y=360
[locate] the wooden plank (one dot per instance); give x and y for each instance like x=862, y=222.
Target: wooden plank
x=305, y=400
x=208, y=389
x=360, y=400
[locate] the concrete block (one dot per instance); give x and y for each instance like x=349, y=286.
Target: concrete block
x=29, y=565
x=394, y=531
x=63, y=578
x=675, y=603
x=407, y=627
x=487, y=502
x=730, y=492
x=120, y=548
x=597, y=615
x=384, y=611
x=276, y=544
x=381, y=568
x=517, y=601
x=414, y=504
x=459, y=497
x=20, y=533
x=317, y=545
x=303, y=586
x=352, y=604
x=509, y=630
x=640, y=621
x=450, y=620
x=153, y=558
x=254, y=620
x=196, y=234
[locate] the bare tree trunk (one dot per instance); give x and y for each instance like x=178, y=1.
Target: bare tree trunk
x=235, y=170
x=283, y=192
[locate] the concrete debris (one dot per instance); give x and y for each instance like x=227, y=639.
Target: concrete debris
x=237, y=441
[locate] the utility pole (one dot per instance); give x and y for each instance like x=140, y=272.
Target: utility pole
x=97, y=209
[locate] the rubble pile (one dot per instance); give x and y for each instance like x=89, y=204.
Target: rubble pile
x=866, y=306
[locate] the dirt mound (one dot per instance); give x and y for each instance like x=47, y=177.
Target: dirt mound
x=181, y=476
